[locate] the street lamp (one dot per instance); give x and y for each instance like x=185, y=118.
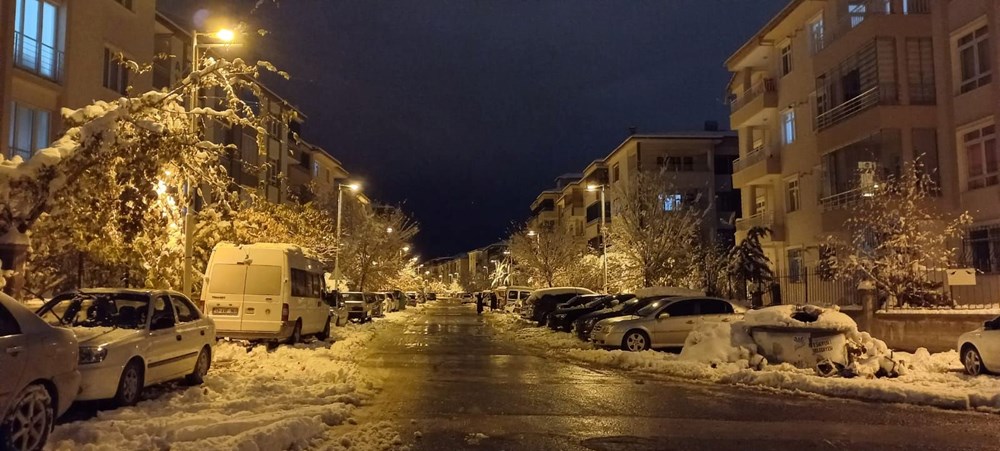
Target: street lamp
x=406, y=248
x=604, y=234
x=340, y=210
x=388, y=230
x=225, y=38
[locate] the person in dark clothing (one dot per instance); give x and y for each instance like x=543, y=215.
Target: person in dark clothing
x=479, y=303
x=493, y=301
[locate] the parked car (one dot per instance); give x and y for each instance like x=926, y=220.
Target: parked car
x=467, y=298
x=360, y=306
x=132, y=339
x=400, y=298
x=565, y=315
x=512, y=296
x=338, y=310
x=542, y=302
x=980, y=348
x=411, y=298
x=663, y=323
x=378, y=309
x=389, y=304
x=432, y=296
x=39, y=378
x=265, y=291
x=584, y=325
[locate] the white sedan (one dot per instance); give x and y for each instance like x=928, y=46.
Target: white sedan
x=980, y=349
x=131, y=339
x=665, y=323
x=38, y=376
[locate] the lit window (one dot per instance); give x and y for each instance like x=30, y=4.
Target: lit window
x=982, y=159
x=973, y=50
x=816, y=34
x=793, y=195
x=115, y=71
x=671, y=202
x=315, y=169
x=36, y=37
x=615, y=173
x=786, y=59
x=796, y=265
x=29, y=130
x=788, y=126
x=857, y=11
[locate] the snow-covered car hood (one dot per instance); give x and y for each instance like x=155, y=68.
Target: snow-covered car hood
x=618, y=319
x=93, y=336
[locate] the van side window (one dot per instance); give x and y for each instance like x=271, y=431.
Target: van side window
x=317, y=285
x=300, y=282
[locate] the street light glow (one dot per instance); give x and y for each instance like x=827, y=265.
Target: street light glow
x=406, y=248
x=532, y=233
x=389, y=230
x=225, y=35
x=353, y=186
x=593, y=188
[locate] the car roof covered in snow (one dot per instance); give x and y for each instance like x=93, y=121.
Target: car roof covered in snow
x=667, y=291
x=560, y=290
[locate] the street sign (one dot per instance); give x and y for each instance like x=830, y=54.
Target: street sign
x=961, y=276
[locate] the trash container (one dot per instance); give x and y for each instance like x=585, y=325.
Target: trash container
x=802, y=347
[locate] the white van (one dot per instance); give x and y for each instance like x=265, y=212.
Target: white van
x=265, y=291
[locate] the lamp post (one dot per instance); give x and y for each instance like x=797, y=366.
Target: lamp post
x=225, y=37
x=340, y=210
x=604, y=235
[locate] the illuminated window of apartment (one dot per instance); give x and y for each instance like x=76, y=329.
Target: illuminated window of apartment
x=792, y=195
x=796, y=265
x=973, y=50
x=817, y=33
x=672, y=202
x=315, y=169
x=615, y=173
x=981, y=156
x=37, y=32
x=115, y=71
x=29, y=130
x=857, y=10
x=786, y=58
x=788, y=126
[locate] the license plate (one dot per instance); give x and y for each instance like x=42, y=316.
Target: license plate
x=225, y=310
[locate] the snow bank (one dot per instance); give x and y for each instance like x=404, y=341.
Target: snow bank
x=796, y=316
x=251, y=400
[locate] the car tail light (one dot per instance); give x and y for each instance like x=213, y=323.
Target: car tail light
x=284, y=312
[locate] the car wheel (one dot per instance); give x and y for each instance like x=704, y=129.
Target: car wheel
x=635, y=341
x=201, y=366
x=296, y=333
x=544, y=319
x=972, y=361
x=130, y=384
x=29, y=421
x=322, y=336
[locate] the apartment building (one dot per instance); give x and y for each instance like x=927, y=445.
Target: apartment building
x=825, y=94
x=966, y=63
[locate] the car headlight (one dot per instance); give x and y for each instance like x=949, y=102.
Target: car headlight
x=90, y=354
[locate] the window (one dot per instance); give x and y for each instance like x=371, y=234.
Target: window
x=982, y=159
x=315, y=169
x=115, y=71
x=263, y=280
x=8, y=325
x=857, y=11
x=672, y=202
x=29, y=130
x=186, y=312
x=786, y=58
x=760, y=204
x=36, y=37
x=682, y=308
x=125, y=3
x=793, y=195
x=920, y=70
x=796, y=265
x=973, y=50
x=788, y=126
x=615, y=173
x=714, y=307
x=227, y=279
x=685, y=164
x=272, y=172
x=982, y=249
x=816, y=33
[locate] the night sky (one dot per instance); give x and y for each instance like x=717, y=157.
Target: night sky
x=463, y=111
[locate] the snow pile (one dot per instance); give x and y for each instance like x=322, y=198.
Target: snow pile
x=716, y=343
x=806, y=316
x=258, y=399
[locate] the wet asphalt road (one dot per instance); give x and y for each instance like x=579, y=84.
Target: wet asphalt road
x=452, y=378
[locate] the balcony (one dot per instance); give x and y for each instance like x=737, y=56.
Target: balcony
x=760, y=163
x=749, y=106
x=868, y=12
x=761, y=219
x=881, y=94
x=38, y=58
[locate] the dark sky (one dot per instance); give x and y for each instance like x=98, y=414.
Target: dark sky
x=464, y=110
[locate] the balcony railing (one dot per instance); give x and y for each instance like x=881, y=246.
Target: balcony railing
x=882, y=94
x=36, y=57
x=871, y=9
x=755, y=156
x=840, y=200
x=761, y=219
x=756, y=90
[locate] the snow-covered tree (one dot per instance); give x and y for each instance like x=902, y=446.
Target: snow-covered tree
x=896, y=235
x=546, y=254
x=749, y=267
x=656, y=229
x=374, y=239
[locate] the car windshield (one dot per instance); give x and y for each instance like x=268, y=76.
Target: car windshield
x=353, y=297
x=596, y=302
x=651, y=307
x=119, y=310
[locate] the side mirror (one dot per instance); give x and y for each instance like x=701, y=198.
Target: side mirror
x=162, y=322
x=662, y=315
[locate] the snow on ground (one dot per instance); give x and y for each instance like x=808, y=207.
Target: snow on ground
x=933, y=380
x=290, y=397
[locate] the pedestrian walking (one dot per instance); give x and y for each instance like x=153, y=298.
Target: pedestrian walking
x=493, y=301
x=479, y=303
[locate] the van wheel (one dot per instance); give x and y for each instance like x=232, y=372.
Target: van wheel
x=201, y=366
x=322, y=336
x=130, y=384
x=296, y=333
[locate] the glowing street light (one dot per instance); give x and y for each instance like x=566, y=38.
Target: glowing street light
x=340, y=209
x=225, y=35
